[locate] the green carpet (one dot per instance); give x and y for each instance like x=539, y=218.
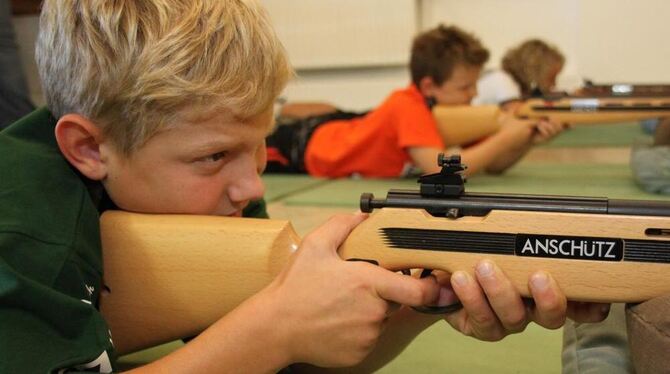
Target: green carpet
x=347, y=192
x=441, y=349
x=585, y=179
x=601, y=135
x=279, y=186
x=146, y=356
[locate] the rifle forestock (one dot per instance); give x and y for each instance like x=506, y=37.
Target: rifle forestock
x=605, y=250
x=461, y=125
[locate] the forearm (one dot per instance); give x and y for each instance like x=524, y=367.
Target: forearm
x=247, y=340
x=507, y=159
x=493, y=150
x=403, y=327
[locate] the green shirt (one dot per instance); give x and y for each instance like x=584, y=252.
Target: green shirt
x=50, y=256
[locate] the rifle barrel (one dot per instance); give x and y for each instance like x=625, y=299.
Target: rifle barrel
x=480, y=204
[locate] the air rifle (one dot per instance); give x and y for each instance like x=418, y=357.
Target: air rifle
x=464, y=124
x=624, y=89
x=172, y=276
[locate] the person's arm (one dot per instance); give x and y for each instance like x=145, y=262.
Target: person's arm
x=299, y=110
x=317, y=295
x=531, y=132
x=498, y=150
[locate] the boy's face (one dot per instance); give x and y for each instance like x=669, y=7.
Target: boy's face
x=460, y=89
x=211, y=167
x=549, y=80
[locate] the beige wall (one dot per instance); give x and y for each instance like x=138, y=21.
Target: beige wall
x=604, y=40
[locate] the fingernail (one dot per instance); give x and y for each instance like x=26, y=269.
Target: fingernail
x=460, y=278
x=485, y=269
x=539, y=281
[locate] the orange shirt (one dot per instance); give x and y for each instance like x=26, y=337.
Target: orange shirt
x=374, y=145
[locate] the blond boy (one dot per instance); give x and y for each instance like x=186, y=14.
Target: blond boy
x=163, y=107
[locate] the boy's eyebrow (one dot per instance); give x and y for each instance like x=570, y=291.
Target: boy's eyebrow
x=211, y=145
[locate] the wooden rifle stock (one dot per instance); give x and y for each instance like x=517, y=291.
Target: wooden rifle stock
x=172, y=276
x=461, y=125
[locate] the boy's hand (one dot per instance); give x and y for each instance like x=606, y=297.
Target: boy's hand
x=518, y=130
x=493, y=308
x=546, y=130
x=333, y=311
x=533, y=130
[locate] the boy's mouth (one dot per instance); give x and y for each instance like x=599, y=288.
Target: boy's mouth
x=237, y=213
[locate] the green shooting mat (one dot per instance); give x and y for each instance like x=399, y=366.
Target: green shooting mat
x=614, y=181
x=601, y=135
x=278, y=186
x=441, y=349
x=584, y=179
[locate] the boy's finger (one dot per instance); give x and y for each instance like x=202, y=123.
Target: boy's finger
x=330, y=235
x=550, y=303
x=405, y=290
x=503, y=297
x=542, y=129
x=475, y=305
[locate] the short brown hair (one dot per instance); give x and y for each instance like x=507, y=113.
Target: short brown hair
x=436, y=52
x=135, y=67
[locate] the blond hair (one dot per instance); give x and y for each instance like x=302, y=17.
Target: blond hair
x=530, y=62
x=135, y=66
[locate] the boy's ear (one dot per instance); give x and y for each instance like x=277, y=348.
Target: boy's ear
x=427, y=86
x=79, y=141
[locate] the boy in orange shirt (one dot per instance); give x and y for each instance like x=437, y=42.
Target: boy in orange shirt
x=445, y=65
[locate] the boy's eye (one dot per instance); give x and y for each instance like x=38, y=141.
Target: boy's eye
x=214, y=157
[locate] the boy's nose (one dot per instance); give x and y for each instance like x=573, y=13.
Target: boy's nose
x=248, y=186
